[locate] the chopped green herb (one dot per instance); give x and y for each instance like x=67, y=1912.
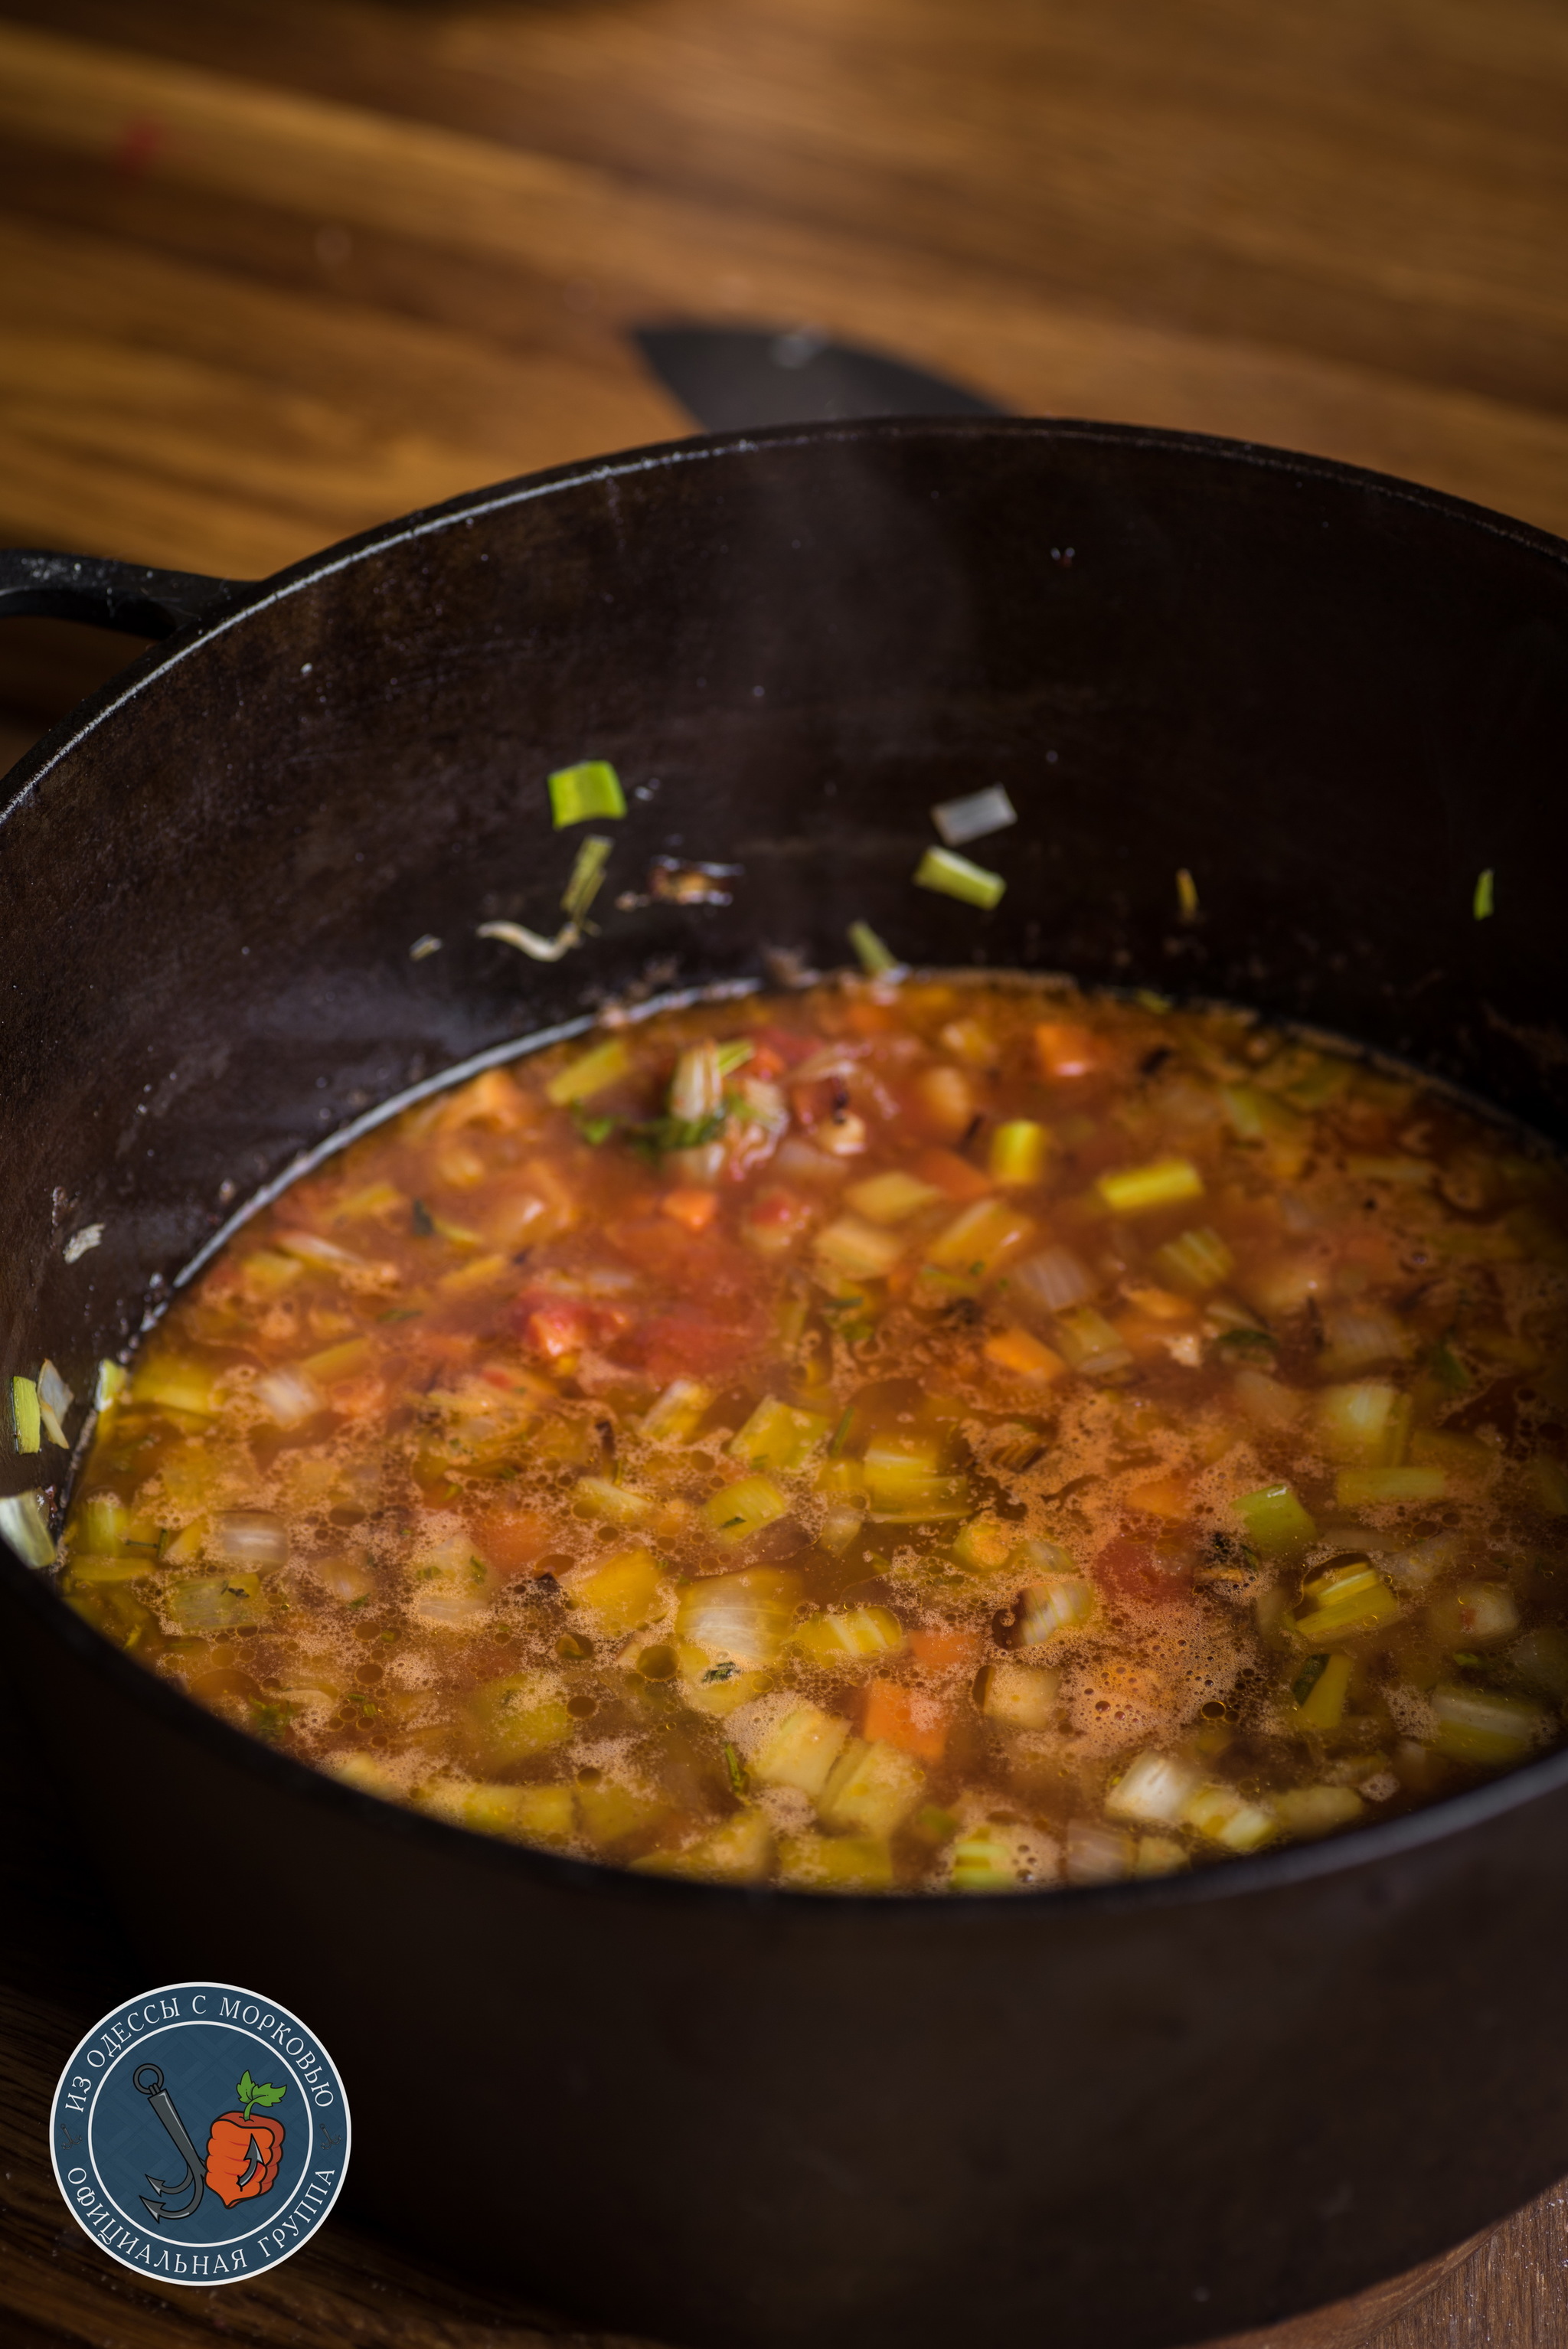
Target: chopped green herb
x=1484, y=902
x=595, y=1131
x=366, y=1704
x=952, y=875
x=1248, y=1342
x=592, y=788
x=403, y=1313
x=841, y=1433
x=587, y=876
x=736, y=1769
x=1306, y=1680
x=725, y=1672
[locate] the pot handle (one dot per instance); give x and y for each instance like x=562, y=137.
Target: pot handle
x=125, y=597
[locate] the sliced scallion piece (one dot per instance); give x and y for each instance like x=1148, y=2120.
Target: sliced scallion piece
x=592, y=788
x=27, y=1418
x=874, y=958
x=1484, y=904
x=587, y=878
x=955, y=877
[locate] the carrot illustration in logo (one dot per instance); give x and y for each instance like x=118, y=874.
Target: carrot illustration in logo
x=243, y=2153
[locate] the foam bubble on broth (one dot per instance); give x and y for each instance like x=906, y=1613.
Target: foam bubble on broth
x=1068, y=1390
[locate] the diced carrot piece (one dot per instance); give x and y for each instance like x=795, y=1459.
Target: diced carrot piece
x=511, y=1541
x=1024, y=1356
x=944, y=1652
x=942, y=1102
x=1065, y=1049
x=1162, y=1496
x=694, y=1208
x=952, y=1174
x=869, y=1018
x=895, y=1715
x=1160, y=1304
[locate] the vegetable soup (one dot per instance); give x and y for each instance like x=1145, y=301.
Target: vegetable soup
x=931, y=1435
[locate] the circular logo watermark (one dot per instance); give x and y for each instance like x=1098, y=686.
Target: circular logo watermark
x=199, y=2134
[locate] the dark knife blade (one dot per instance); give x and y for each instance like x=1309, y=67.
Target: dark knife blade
x=737, y=379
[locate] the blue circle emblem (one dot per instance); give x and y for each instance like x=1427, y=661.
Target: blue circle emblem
x=199, y=2134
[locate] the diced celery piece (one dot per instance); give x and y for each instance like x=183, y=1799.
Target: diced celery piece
x=173, y=1385
x=1152, y=1790
x=1341, y=1604
x=741, y=1620
x=1019, y=1150
x=623, y=1590
x=854, y=1637
x=1323, y=1705
x=952, y=875
x=1198, y=1259
x=1090, y=1343
x=799, y=1749
x=508, y=1720
x=1063, y=1603
x=740, y=1851
x=1164, y=1182
x=1318, y=1810
x=874, y=958
x=1226, y=1816
x=977, y=1240
x=27, y=1419
x=818, y=1863
x=905, y=1483
x=738, y=1511
x=1258, y=1117
x=602, y=1065
x=996, y=1857
x=615, y=1505
x=1357, y=1423
x=219, y=1602
x=1020, y=1696
x=871, y=1789
x=1359, y=1488
x=1473, y=1614
x=591, y=788
x=863, y=1250
x=776, y=1435
x=890, y=1198
x=1098, y=1854
x=1274, y=1520
x=1483, y=1727
x=677, y=1415
x=24, y=1524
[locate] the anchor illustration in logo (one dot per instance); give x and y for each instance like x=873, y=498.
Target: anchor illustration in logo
x=243, y=2153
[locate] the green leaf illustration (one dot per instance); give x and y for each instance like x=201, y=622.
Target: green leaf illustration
x=250, y=2094
x=246, y=2089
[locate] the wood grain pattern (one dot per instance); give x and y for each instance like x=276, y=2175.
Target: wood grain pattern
x=277, y=269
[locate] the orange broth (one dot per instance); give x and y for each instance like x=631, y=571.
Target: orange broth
x=936, y=1435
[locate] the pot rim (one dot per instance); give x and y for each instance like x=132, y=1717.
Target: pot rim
x=1363, y=1849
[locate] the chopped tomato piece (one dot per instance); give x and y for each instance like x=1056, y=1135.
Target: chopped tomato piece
x=1066, y=1048
x=561, y=1327
x=690, y=1208
x=907, y=1718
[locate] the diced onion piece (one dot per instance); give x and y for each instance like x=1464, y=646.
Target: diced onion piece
x=1090, y=1344
x=1263, y=1398
x=871, y=1789
x=1358, y=1421
x=975, y=1242
x=1163, y=1183
x=1340, y=1604
x=1483, y=1727
x=891, y=1198
x=1474, y=1613
x=677, y=1415
x=1318, y=1810
x=622, y=1591
x=1359, y=1488
x=1021, y=1696
x=451, y=1585
x=24, y=1524
x=1098, y=1854
x=287, y=1396
x=818, y=1863
x=54, y=1395
x=975, y=815
x=779, y=1436
x=1276, y=1521
x=799, y=1749
x=112, y=1382
x=1019, y=1150
x=855, y=1636
x=592, y=788
x=1198, y=1259
x=740, y=1618
x=254, y=1537
x=1356, y=1336
x=1055, y=1280
x=696, y=1089
x=1063, y=1603
x=852, y=1245
x=1226, y=1816
x=952, y=875
x=222, y=1602
x=591, y=1073
x=1152, y=1790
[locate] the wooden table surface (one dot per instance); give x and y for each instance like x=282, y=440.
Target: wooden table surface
x=277, y=269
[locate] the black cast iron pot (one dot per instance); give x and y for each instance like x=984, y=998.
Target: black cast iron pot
x=1125, y=2117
